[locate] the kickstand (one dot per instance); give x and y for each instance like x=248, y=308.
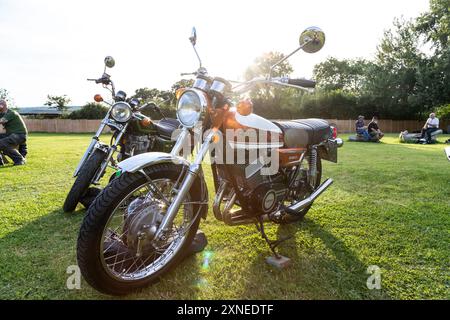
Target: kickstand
x=273, y=244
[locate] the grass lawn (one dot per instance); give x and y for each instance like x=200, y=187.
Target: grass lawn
x=389, y=206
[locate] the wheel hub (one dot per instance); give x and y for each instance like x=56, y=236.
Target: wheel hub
x=142, y=222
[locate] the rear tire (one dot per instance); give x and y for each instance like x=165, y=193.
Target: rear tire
x=83, y=180
x=90, y=237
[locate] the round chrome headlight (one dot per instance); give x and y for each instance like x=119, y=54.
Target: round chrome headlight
x=190, y=107
x=121, y=112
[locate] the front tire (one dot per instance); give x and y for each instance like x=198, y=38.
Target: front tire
x=83, y=180
x=95, y=232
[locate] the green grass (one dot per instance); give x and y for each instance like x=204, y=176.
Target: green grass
x=389, y=206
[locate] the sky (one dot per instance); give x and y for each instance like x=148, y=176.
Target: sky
x=53, y=46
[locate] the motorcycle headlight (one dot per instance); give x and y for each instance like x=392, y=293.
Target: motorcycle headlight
x=121, y=112
x=190, y=107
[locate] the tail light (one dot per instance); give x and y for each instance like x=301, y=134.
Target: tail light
x=334, y=132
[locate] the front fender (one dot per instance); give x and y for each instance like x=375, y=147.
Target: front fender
x=143, y=160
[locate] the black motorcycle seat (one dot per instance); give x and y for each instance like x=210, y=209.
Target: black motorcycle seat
x=303, y=132
x=166, y=126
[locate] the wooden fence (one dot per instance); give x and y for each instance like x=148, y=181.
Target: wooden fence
x=343, y=126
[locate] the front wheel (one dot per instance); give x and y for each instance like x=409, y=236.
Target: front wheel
x=83, y=180
x=116, y=251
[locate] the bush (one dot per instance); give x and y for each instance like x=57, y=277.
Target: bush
x=89, y=111
x=443, y=112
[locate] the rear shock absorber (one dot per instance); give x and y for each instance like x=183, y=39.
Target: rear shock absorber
x=312, y=163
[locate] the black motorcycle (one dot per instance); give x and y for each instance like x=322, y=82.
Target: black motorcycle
x=133, y=133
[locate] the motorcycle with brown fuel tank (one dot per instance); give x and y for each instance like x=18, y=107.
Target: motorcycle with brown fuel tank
x=141, y=224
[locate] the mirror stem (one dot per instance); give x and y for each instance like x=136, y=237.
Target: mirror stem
x=287, y=57
x=198, y=57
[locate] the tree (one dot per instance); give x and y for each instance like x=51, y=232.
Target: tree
x=183, y=83
x=58, y=102
x=163, y=98
x=262, y=65
x=435, y=24
x=347, y=75
x=89, y=111
x=433, y=77
x=261, y=68
x=146, y=94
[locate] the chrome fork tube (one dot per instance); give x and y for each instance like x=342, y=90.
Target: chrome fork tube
x=94, y=141
x=189, y=179
x=111, y=151
x=180, y=142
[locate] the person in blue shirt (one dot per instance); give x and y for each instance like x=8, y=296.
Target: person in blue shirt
x=361, y=128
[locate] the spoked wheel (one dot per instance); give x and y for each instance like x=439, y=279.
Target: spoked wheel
x=303, y=192
x=116, y=251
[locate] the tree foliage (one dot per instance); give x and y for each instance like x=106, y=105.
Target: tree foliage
x=59, y=102
x=89, y=111
x=347, y=75
x=165, y=99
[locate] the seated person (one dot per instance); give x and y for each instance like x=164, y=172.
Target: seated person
x=430, y=126
x=374, y=130
x=16, y=134
x=361, y=128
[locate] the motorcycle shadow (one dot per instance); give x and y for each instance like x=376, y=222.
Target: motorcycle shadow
x=322, y=267
x=39, y=257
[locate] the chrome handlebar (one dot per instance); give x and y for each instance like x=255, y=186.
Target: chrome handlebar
x=280, y=81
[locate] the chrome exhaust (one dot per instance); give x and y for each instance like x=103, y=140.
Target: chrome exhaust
x=298, y=206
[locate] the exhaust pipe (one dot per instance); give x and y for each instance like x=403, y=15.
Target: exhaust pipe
x=296, y=207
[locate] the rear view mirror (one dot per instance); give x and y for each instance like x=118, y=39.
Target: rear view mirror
x=312, y=39
x=109, y=62
x=193, y=37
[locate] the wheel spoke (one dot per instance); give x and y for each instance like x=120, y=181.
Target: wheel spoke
x=121, y=261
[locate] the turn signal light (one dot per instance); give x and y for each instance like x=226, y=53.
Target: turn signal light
x=146, y=122
x=179, y=92
x=245, y=107
x=98, y=98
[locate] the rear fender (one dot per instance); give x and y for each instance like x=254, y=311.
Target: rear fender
x=145, y=160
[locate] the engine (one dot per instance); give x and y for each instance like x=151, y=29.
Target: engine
x=135, y=144
x=261, y=192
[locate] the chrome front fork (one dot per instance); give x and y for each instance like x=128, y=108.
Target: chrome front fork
x=178, y=147
x=91, y=147
x=112, y=149
x=186, y=185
